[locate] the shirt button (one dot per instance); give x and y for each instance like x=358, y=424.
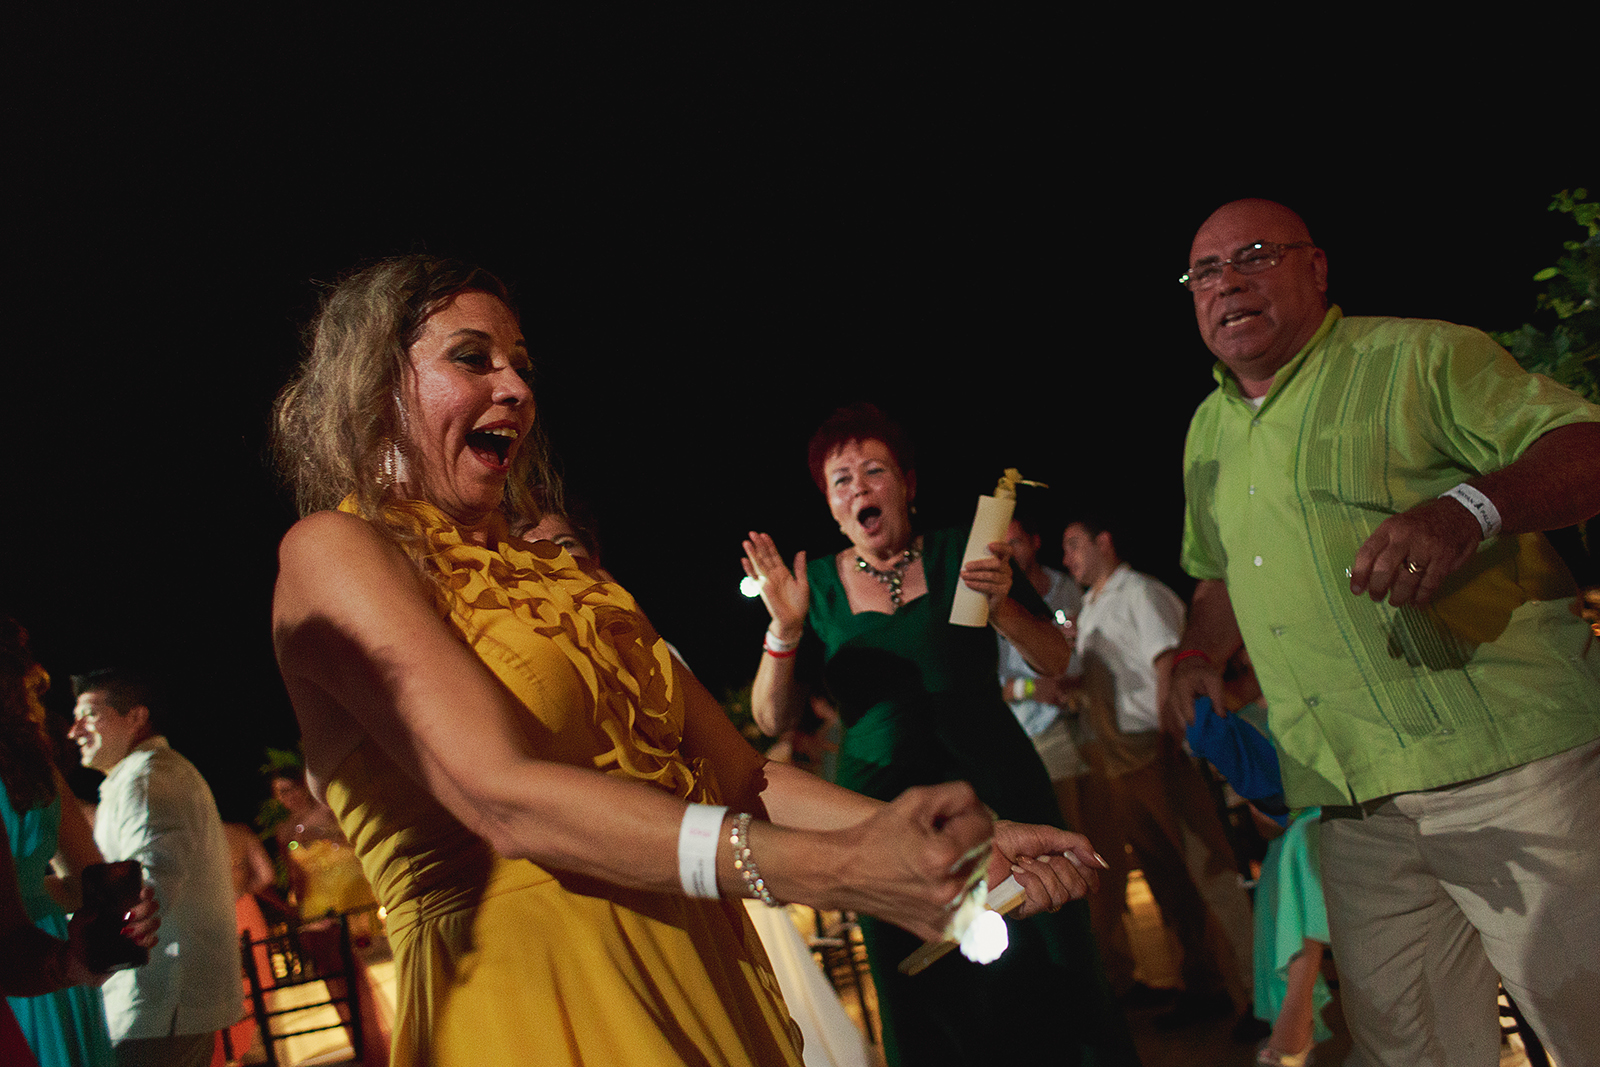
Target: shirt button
x=1277, y=631
x=1255, y=422
x=1252, y=490
x=1311, y=702
x=1258, y=561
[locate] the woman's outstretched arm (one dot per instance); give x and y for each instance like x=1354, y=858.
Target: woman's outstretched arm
x=364, y=654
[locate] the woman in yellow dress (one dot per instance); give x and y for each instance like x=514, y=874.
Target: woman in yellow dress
x=559, y=821
x=325, y=877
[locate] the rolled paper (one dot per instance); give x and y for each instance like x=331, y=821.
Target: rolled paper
x=970, y=607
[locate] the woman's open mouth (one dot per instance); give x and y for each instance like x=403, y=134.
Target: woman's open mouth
x=870, y=518
x=493, y=446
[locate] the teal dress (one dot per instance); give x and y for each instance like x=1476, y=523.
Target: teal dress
x=920, y=701
x=66, y=1028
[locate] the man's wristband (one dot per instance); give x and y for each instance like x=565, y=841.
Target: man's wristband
x=1189, y=653
x=1481, y=507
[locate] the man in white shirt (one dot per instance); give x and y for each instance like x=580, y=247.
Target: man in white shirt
x=157, y=809
x=1143, y=789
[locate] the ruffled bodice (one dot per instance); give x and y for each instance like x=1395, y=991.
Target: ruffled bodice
x=559, y=967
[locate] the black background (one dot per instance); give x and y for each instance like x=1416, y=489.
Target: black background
x=719, y=226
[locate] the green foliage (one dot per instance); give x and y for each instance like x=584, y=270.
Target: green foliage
x=1569, y=351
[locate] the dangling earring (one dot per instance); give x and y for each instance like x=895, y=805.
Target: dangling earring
x=392, y=467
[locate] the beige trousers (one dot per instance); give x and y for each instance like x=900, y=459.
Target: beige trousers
x=1435, y=896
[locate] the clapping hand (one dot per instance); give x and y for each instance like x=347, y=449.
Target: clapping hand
x=785, y=592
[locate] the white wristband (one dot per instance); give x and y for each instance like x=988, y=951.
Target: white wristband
x=1482, y=508
x=699, y=837
x=772, y=644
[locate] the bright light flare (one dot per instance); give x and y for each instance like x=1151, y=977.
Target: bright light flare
x=986, y=938
x=750, y=587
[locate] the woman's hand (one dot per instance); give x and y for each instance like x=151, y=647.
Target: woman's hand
x=914, y=860
x=785, y=592
x=991, y=578
x=1053, y=866
x=143, y=920
x=139, y=925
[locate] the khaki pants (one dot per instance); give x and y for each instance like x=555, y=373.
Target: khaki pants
x=1435, y=895
x=1165, y=811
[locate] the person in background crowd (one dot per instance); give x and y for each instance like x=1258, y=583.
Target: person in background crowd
x=1039, y=703
x=157, y=809
x=1143, y=784
x=44, y=965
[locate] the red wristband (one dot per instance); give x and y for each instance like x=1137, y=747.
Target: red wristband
x=1189, y=653
x=778, y=655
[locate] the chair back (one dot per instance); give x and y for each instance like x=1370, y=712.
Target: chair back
x=304, y=991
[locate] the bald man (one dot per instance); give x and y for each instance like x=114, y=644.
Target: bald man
x=1363, y=501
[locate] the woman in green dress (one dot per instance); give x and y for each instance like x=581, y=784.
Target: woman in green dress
x=921, y=705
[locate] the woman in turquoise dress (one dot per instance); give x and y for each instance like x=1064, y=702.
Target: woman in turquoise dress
x=921, y=705
x=66, y=1027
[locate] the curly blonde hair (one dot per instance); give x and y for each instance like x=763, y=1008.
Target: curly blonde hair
x=27, y=769
x=339, y=419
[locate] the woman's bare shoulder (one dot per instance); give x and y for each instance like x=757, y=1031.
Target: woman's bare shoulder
x=324, y=530
x=337, y=569
x=328, y=552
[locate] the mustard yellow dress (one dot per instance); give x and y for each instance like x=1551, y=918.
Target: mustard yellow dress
x=502, y=962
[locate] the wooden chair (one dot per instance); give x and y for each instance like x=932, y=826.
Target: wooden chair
x=842, y=954
x=307, y=993
x=1512, y=1022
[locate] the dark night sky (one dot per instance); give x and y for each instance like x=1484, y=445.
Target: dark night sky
x=718, y=226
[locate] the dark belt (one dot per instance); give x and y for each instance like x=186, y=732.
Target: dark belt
x=1354, y=811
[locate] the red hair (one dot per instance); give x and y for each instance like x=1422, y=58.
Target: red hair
x=858, y=422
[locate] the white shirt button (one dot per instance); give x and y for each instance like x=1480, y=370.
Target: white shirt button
x=1258, y=561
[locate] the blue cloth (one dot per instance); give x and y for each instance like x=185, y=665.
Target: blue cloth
x=1240, y=752
x=66, y=1028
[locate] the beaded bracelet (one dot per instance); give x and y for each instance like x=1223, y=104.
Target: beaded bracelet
x=745, y=863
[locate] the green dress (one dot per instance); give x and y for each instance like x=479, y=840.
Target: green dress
x=920, y=701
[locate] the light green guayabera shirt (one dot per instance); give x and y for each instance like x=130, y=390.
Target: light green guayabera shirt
x=1373, y=417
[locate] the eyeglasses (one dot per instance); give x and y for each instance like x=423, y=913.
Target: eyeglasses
x=1251, y=259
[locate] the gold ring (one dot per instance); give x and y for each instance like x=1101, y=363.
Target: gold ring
x=1412, y=568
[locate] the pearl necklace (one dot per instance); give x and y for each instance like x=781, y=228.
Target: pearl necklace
x=895, y=576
